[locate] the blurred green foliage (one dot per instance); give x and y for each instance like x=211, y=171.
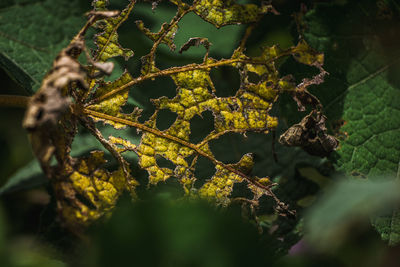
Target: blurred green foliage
x=168, y=233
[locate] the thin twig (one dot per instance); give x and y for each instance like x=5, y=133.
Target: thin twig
x=246, y=36
x=16, y=101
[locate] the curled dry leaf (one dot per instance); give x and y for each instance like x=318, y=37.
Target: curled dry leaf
x=195, y=41
x=52, y=102
x=311, y=135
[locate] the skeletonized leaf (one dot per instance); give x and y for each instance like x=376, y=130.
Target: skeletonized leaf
x=247, y=111
x=166, y=34
x=85, y=190
x=88, y=191
x=107, y=39
x=113, y=105
x=225, y=12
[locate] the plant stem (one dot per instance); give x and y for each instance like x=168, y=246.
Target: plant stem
x=16, y=101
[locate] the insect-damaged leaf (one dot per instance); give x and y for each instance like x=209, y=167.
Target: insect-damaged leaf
x=220, y=186
x=112, y=105
x=165, y=35
x=86, y=190
x=247, y=111
x=107, y=39
x=225, y=12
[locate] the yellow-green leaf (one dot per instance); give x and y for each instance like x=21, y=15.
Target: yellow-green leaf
x=112, y=105
x=166, y=34
x=89, y=191
x=86, y=191
x=107, y=40
x=225, y=12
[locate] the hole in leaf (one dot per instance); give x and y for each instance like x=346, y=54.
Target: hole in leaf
x=85, y=201
x=241, y=190
x=127, y=108
x=287, y=111
x=190, y=159
x=266, y=204
x=143, y=92
x=140, y=44
x=230, y=147
x=226, y=81
x=302, y=71
x=253, y=77
x=118, y=69
x=165, y=118
x=164, y=163
x=201, y=127
x=153, y=19
x=142, y=176
x=204, y=170
x=192, y=25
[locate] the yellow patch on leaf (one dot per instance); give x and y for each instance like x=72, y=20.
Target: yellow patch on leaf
x=89, y=190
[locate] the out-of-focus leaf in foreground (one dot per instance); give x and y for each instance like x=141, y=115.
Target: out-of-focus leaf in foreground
x=31, y=35
x=24, y=251
x=349, y=202
x=161, y=232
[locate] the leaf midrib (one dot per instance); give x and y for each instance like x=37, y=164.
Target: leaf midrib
x=196, y=148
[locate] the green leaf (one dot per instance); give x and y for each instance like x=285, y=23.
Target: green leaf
x=330, y=221
x=363, y=89
x=31, y=35
x=29, y=176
